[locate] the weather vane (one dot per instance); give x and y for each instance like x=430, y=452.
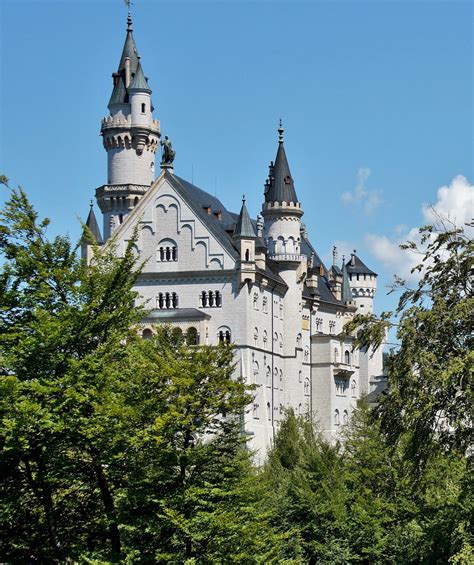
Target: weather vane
x=128, y=3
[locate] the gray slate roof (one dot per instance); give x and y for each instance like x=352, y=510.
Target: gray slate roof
x=281, y=187
x=93, y=226
x=139, y=81
x=346, y=292
x=356, y=267
x=244, y=227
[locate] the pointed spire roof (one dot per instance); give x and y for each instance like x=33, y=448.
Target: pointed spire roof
x=281, y=187
x=119, y=93
x=346, y=292
x=93, y=226
x=244, y=226
x=139, y=81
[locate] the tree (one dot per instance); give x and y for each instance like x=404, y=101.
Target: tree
x=430, y=375
x=113, y=448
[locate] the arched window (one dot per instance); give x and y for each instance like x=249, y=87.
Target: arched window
x=298, y=340
x=168, y=300
x=347, y=357
x=160, y=301
x=211, y=299
x=306, y=354
x=300, y=377
x=268, y=376
x=147, y=333
x=336, y=418
x=306, y=386
x=281, y=341
x=353, y=389
x=223, y=335
x=247, y=255
x=177, y=334
x=255, y=336
x=269, y=411
x=281, y=377
x=204, y=299
x=265, y=337
x=192, y=337
x=175, y=300
x=167, y=251
x=255, y=372
x=218, y=300
x=345, y=417
x=255, y=411
x=300, y=409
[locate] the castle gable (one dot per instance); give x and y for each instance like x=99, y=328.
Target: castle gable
x=178, y=230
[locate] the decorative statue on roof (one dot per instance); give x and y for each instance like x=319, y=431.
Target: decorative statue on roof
x=169, y=153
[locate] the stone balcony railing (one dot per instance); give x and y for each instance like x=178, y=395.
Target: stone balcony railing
x=294, y=257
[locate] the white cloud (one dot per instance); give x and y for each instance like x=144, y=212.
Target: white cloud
x=362, y=197
x=455, y=202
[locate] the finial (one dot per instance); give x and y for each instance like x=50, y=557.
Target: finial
x=280, y=132
x=128, y=3
x=91, y=204
x=243, y=199
x=334, y=255
x=343, y=259
x=354, y=251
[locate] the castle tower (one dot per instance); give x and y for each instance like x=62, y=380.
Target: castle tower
x=281, y=210
x=130, y=136
x=245, y=236
x=363, y=283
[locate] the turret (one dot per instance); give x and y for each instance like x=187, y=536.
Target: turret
x=94, y=231
x=131, y=137
x=244, y=237
x=281, y=210
x=363, y=282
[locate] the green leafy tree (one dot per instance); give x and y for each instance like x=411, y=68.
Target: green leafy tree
x=113, y=448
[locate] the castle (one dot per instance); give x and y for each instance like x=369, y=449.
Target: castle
x=218, y=276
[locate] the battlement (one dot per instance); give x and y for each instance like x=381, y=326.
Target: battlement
x=119, y=121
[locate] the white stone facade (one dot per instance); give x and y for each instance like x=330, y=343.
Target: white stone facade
x=269, y=294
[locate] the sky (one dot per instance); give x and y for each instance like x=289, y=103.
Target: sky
x=376, y=100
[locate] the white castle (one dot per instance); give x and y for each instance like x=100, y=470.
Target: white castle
x=220, y=276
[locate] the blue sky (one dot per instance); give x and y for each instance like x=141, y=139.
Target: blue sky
x=376, y=100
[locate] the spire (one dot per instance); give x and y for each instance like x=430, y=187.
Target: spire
x=139, y=81
x=92, y=224
x=244, y=227
x=127, y=68
x=346, y=292
x=281, y=187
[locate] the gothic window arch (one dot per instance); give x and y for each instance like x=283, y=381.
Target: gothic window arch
x=269, y=411
x=265, y=305
x=345, y=417
x=265, y=338
x=353, y=389
x=255, y=336
x=336, y=417
x=347, y=357
x=280, y=343
x=298, y=340
x=268, y=376
x=300, y=377
x=255, y=410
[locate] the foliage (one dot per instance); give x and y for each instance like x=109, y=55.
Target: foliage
x=430, y=377
x=113, y=448
x=359, y=504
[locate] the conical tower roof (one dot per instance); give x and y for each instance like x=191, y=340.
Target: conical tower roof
x=346, y=292
x=93, y=225
x=139, y=81
x=280, y=187
x=244, y=226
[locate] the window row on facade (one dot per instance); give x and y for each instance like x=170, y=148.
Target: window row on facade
x=191, y=335
x=337, y=417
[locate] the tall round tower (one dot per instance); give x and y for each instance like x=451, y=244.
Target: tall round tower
x=281, y=210
x=130, y=136
x=363, y=283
